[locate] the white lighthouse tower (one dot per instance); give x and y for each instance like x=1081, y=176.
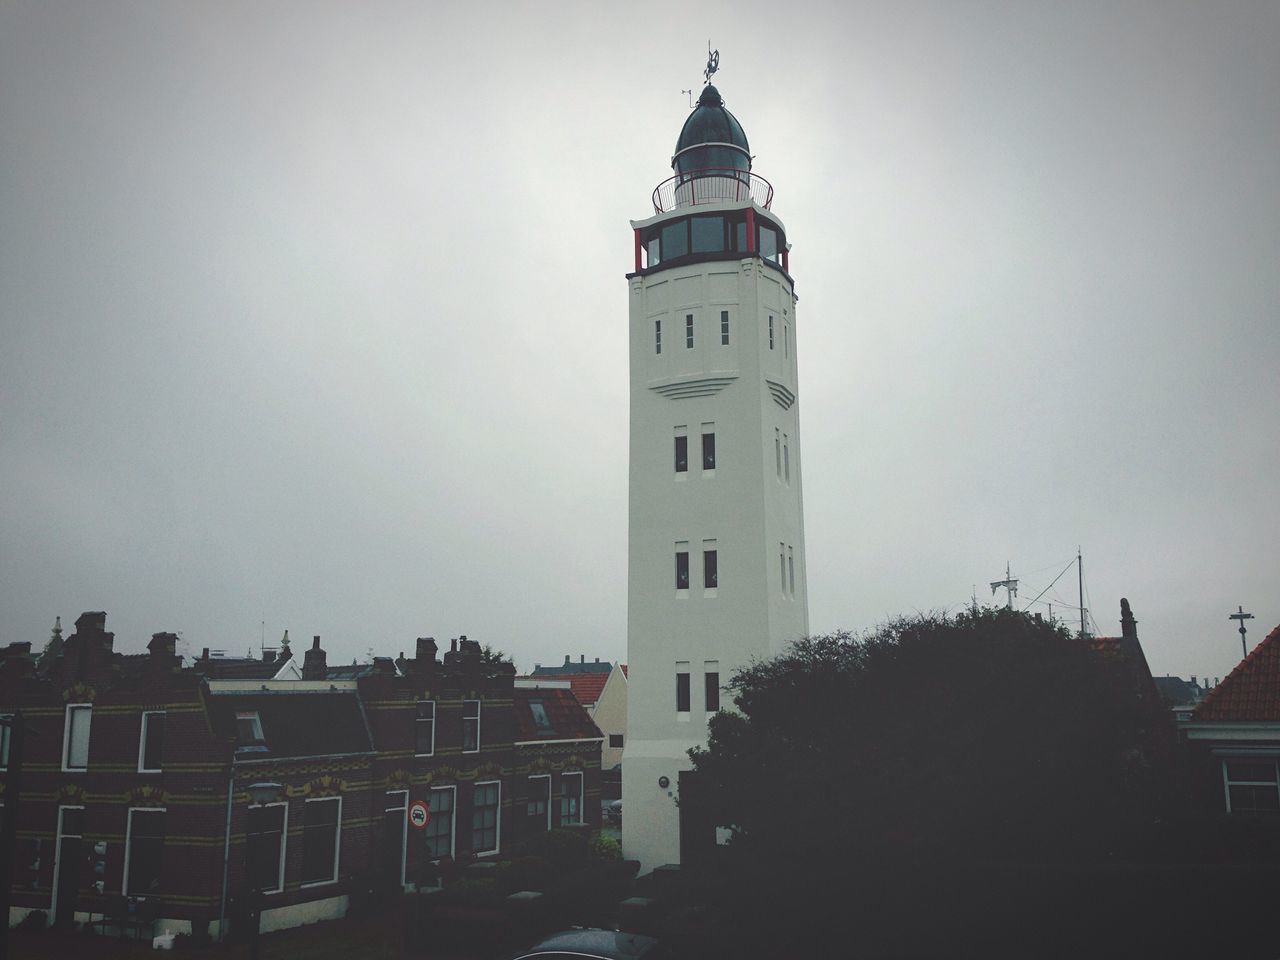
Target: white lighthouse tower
x=716, y=568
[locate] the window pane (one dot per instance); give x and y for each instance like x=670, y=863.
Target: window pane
x=768, y=243
x=1245, y=798
x=771, y=333
x=615, y=740
x=713, y=691
x=724, y=327
x=440, y=826
x=675, y=240
x=265, y=835
x=740, y=236
x=470, y=726
x=424, y=728
x=682, y=454
x=79, y=719
x=4, y=743
x=146, y=849
x=319, y=840
x=688, y=330
x=540, y=719
x=651, y=250
x=154, y=743
x=1251, y=770
x=710, y=569
x=484, y=818
x=682, y=570
x=708, y=451
x=657, y=336
x=708, y=234
x=682, y=692
x=570, y=798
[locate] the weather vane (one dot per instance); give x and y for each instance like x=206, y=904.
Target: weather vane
x=713, y=62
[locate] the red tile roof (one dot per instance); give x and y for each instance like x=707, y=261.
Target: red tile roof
x=1251, y=691
x=587, y=686
x=624, y=669
x=567, y=720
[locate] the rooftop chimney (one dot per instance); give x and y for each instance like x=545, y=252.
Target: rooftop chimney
x=313, y=665
x=566, y=659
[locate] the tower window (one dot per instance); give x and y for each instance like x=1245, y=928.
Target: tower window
x=786, y=459
x=791, y=570
x=782, y=567
x=777, y=451
x=682, y=454
x=786, y=339
x=771, y=331
x=682, y=569
x=712, y=688
x=710, y=569
x=675, y=240
x=688, y=329
x=708, y=234
x=708, y=449
x=724, y=328
x=653, y=252
x=657, y=336
x=740, y=236
x=682, y=692
x=769, y=243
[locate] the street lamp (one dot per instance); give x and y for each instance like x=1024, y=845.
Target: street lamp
x=260, y=794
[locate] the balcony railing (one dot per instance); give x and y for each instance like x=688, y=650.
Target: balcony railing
x=711, y=185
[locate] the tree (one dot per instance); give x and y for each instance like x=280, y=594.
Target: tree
x=932, y=741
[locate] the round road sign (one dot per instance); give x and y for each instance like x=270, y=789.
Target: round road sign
x=419, y=815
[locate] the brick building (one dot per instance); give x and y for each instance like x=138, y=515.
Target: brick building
x=137, y=774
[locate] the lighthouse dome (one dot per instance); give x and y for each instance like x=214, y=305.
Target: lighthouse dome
x=711, y=138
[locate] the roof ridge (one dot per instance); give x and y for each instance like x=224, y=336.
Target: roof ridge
x=1238, y=674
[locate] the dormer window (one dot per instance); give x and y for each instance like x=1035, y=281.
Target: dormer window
x=540, y=718
x=249, y=729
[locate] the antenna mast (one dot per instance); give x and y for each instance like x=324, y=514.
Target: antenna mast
x=1010, y=585
x=1080, y=570
x=1242, y=617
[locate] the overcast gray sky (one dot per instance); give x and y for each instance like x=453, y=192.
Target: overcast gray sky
x=316, y=313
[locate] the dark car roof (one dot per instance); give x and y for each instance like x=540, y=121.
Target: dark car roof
x=610, y=944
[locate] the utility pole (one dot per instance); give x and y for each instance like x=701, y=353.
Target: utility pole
x=1010, y=585
x=1242, y=617
x=1080, y=571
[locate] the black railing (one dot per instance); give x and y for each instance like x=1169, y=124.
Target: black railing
x=711, y=185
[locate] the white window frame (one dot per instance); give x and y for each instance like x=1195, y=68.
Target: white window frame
x=546, y=777
x=257, y=726
x=1228, y=783
x=497, y=818
x=453, y=820
x=582, y=817
x=57, y=855
x=142, y=742
x=465, y=718
x=66, y=737
x=337, y=842
x=403, y=809
x=128, y=842
x=416, y=720
x=284, y=841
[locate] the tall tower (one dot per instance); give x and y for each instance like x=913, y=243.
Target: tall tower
x=716, y=570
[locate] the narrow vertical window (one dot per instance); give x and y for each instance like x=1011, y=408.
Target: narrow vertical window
x=424, y=729
x=786, y=339
x=682, y=569
x=682, y=454
x=570, y=798
x=144, y=851
x=724, y=327
x=688, y=330
x=657, y=336
x=484, y=817
x=777, y=451
x=712, y=689
x=770, y=331
x=151, y=742
x=470, y=726
x=440, y=825
x=791, y=571
x=708, y=449
x=782, y=567
x=265, y=834
x=682, y=692
x=395, y=836
x=710, y=569
x=4, y=744
x=786, y=458
x=321, y=825
x=538, y=803
x=75, y=738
